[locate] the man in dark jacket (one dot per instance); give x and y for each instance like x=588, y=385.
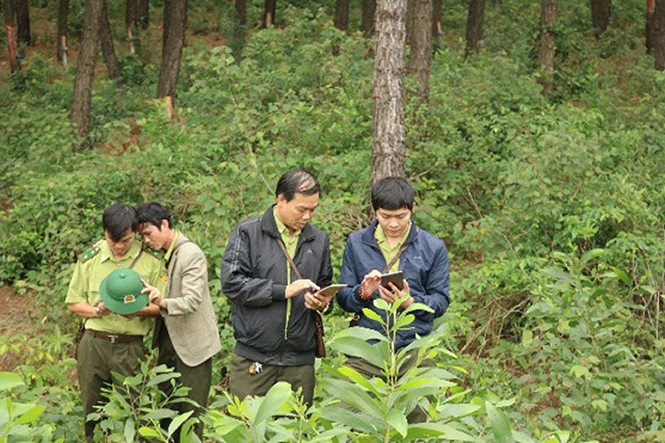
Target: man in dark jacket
x=393, y=238
x=272, y=308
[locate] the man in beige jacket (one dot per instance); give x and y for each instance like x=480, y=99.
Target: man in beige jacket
x=186, y=332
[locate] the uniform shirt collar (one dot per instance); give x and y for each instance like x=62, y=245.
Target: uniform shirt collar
x=107, y=254
x=382, y=240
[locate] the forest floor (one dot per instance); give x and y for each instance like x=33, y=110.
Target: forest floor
x=17, y=318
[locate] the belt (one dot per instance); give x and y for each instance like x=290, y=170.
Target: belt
x=114, y=338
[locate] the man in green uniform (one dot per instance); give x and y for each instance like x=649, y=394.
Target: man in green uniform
x=112, y=342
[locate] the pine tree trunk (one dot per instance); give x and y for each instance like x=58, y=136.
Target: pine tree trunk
x=23, y=20
x=368, y=17
x=389, y=149
x=658, y=46
x=601, y=11
x=546, y=43
x=144, y=14
x=269, y=13
x=437, y=27
x=420, y=61
x=342, y=15
x=85, y=71
x=650, y=37
x=131, y=22
x=175, y=24
x=62, y=50
x=341, y=20
x=474, y=26
x=10, y=26
x=108, y=50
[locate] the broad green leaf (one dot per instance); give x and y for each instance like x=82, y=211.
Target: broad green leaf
x=431, y=429
x=458, y=410
x=147, y=432
x=9, y=380
x=130, y=430
x=373, y=315
x=358, y=378
x=352, y=419
x=622, y=275
x=354, y=396
x=397, y=420
x=161, y=378
x=176, y=422
x=274, y=399
x=31, y=414
x=500, y=424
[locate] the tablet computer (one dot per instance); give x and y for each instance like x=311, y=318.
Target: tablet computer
x=331, y=290
x=396, y=278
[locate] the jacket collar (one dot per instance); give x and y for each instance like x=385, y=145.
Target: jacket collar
x=269, y=226
x=368, y=235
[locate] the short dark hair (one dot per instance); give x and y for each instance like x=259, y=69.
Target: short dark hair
x=119, y=218
x=393, y=193
x=297, y=181
x=153, y=213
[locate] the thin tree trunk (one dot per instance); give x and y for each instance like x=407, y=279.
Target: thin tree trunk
x=658, y=46
x=85, y=71
x=144, y=14
x=420, y=61
x=240, y=28
x=601, y=11
x=342, y=15
x=108, y=51
x=10, y=27
x=437, y=27
x=62, y=49
x=474, y=27
x=269, y=13
x=175, y=24
x=389, y=149
x=131, y=22
x=23, y=20
x=546, y=43
x=341, y=20
x=650, y=37
x=368, y=17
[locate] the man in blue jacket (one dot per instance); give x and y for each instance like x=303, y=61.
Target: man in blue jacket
x=394, y=239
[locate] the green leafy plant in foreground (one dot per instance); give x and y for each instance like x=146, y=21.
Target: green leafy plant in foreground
x=374, y=410
x=136, y=408
x=19, y=421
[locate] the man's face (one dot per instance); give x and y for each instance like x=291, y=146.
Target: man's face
x=121, y=246
x=295, y=214
x=394, y=222
x=155, y=237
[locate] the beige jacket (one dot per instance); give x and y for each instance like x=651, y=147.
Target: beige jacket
x=190, y=317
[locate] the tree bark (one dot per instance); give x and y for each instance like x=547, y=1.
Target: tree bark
x=546, y=43
x=131, y=22
x=23, y=20
x=269, y=13
x=437, y=27
x=474, y=27
x=368, y=17
x=175, y=24
x=650, y=37
x=420, y=61
x=62, y=50
x=144, y=14
x=389, y=149
x=601, y=11
x=658, y=46
x=9, y=13
x=108, y=51
x=341, y=20
x=342, y=15
x=85, y=71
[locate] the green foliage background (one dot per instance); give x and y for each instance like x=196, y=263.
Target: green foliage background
x=551, y=207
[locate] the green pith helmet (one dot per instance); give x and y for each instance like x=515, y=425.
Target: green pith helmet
x=121, y=292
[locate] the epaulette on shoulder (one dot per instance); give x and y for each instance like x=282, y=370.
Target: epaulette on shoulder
x=90, y=253
x=157, y=254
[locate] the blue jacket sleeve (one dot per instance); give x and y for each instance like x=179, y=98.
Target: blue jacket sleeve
x=348, y=297
x=436, y=284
